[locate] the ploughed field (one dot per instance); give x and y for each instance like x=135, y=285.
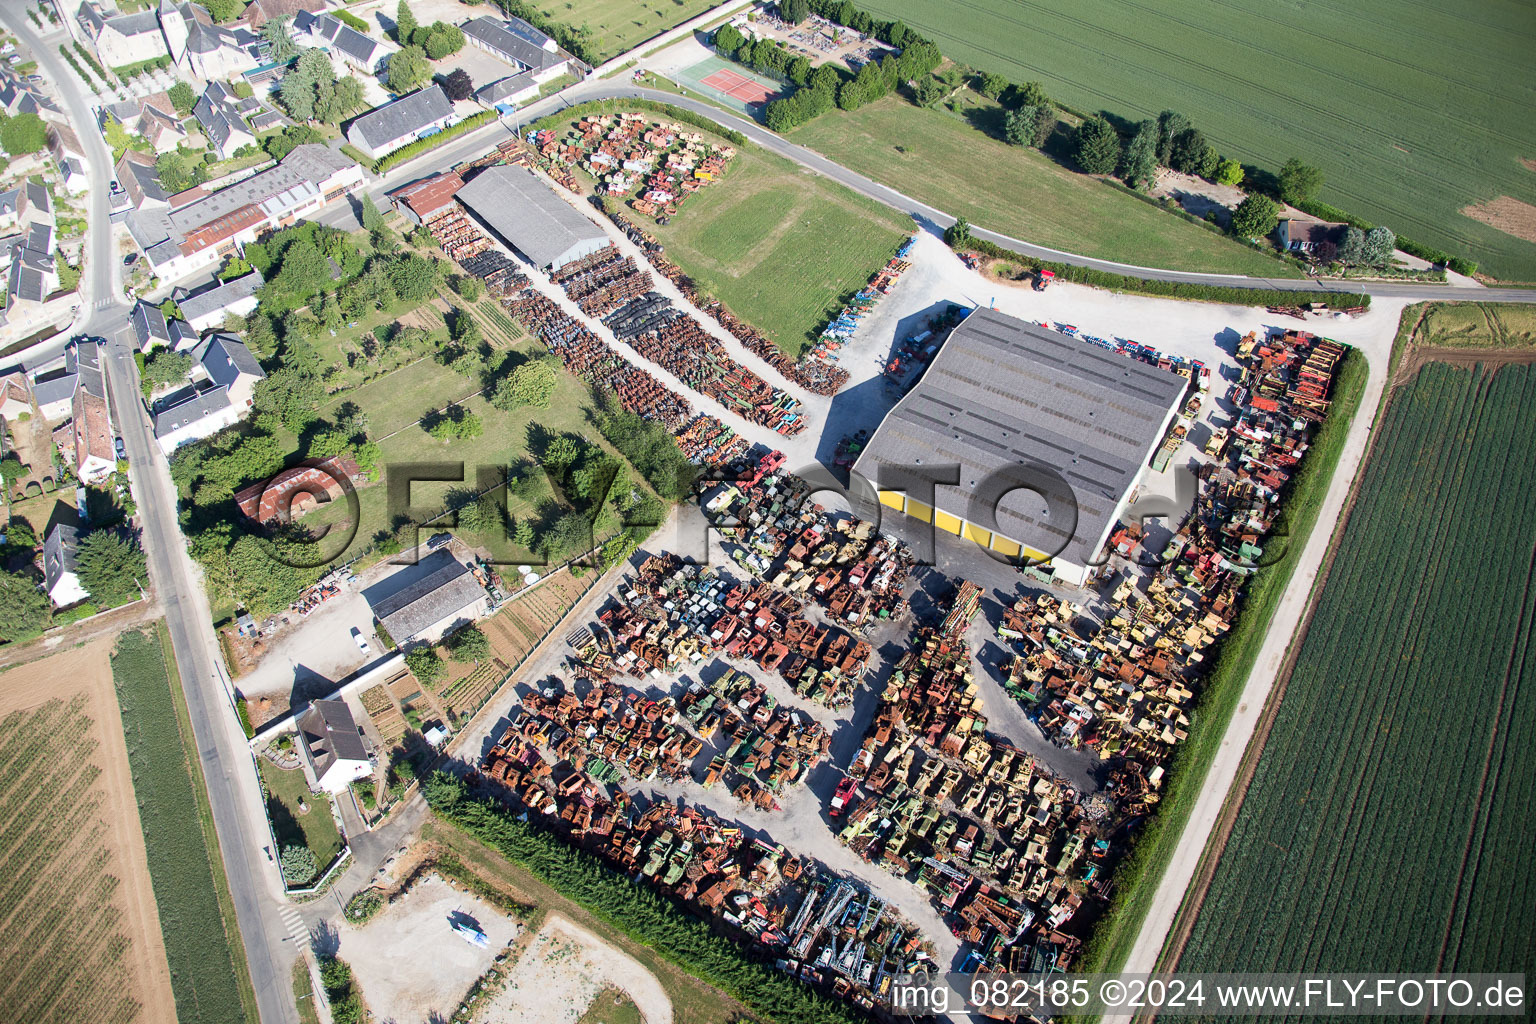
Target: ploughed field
x=1414, y=111
x=1388, y=824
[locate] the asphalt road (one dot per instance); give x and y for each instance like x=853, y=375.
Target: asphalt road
x=238, y=814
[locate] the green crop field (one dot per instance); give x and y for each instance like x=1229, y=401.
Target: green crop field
x=940, y=159
x=781, y=246
x=614, y=26
x=1388, y=827
x=201, y=944
x=1479, y=325
x=1414, y=111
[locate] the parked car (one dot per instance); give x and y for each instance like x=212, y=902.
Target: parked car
x=130, y=259
x=122, y=453
x=362, y=641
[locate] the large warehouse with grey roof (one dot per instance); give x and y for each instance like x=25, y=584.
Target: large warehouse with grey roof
x=527, y=215
x=1003, y=392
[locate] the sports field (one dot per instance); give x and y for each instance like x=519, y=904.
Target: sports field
x=940, y=159
x=613, y=26
x=730, y=85
x=781, y=246
x=1388, y=827
x=1414, y=110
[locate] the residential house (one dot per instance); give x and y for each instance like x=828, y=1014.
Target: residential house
x=136, y=175
x=153, y=329
x=73, y=177
x=33, y=274
x=15, y=396
x=36, y=206
x=90, y=443
x=327, y=31
x=60, y=567
x=518, y=43
x=509, y=93
x=64, y=144
x=122, y=39
x=10, y=208
x=335, y=752
x=428, y=600
x=207, y=309
x=1308, y=237
x=18, y=96
x=387, y=128
x=54, y=386
x=262, y=11
x=222, y=390
x=201, y=49
x=198, y=233
x=161, y=127
x=219, y=112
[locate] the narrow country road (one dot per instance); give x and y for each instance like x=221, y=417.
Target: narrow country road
x=233, y=793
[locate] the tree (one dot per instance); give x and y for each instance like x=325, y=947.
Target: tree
x=1352, y=249
x=283, y=48
x=371, y=217
x=1229, y=172
x=571, y=534
x=182, y=98
x=469, y=644
x=442, y=40
x=958, y=234
x=425, y=665
x=414, y=276
x=1020, y=127
x=291, y=395
x=23, y=609
x=728, y=39
x=11, y=468
x=559, y=454
x=224, y=11
x=1255, y=217
x=452, y=423
x=405, y=24
x=233, y=267
x=799, y=71
x=1299, y=182
x=533, y=384
x=178, y=171
x=1379, y=243
x=111, y=567
x=467, y=287
x=298, y=863
x=1138, y=168
x=408, y=70
x=280, y=144
x=1098, y=146
x=345, y=98
x=794, y=11
x=119, y=139
x=991, y=86
x=1170, y=124
x=24, y=133
x=458, y=85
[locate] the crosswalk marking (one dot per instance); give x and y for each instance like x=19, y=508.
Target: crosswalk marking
x=295, y=923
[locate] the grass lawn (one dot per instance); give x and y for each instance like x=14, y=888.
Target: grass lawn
x=781, y=246
x=395, y=402
x=197, y=916
x=1425, y=119
x=1478, y=325
x=611, y=1007
x=613, y=26
x=315, y=828
x=942, y=160
x=693, y=1002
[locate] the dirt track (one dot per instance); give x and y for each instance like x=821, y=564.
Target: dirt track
x=86, y=670
x=564, y=969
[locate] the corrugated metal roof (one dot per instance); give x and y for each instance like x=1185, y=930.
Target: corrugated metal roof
x=527, y=214
x=1005, y=392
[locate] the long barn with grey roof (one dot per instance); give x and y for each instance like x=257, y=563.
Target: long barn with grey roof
x=1003, y=392
x=528, y=216
x=429, y=599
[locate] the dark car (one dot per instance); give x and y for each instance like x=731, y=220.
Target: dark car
x=122, y=453
x=130, y=259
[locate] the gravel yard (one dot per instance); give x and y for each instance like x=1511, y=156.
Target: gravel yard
x=565, y=968
x=410, y=963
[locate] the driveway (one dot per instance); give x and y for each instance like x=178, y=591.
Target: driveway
x=317, y=653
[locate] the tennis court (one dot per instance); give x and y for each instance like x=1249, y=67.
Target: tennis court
x=731, y=84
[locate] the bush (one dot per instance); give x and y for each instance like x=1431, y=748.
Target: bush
x=1255, y=217
x=351, y=20
x=414, y=149
x=363, y=905
x=532, y=383
x=425, y=665
x=468, y=644
x=299, y=867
